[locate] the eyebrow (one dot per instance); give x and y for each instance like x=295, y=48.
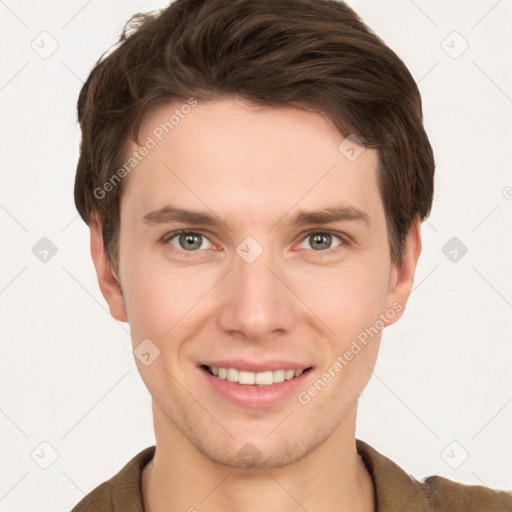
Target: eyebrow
x=169, y=214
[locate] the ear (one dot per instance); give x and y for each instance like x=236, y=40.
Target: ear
x=402, y=276
x=109, y=285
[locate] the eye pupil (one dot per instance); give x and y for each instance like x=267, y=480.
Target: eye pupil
x=187, y=241
x=319, y=237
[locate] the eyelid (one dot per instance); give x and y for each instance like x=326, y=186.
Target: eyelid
x=339, y=234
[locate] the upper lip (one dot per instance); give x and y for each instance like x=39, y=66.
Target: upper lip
x=261, y=366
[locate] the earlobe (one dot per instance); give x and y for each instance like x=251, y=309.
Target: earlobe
x=402, y=276
x=107, y=280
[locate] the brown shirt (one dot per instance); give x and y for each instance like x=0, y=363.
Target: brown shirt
x=395, y=490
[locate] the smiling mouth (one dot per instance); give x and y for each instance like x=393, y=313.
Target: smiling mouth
x=245, y=378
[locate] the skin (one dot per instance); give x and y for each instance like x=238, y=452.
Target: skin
x=254, y=167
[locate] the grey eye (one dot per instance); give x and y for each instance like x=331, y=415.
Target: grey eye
x=189, y=241
x=320, y=241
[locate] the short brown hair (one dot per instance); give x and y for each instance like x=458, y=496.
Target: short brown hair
x=312, y=54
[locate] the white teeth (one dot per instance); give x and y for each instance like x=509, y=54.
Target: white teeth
x=232, y=375
x=266, y=378
x=279, y=375
x=246, y=377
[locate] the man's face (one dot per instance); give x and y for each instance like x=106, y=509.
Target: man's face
x=255, y=290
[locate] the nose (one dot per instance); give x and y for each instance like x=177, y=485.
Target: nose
x=256, y=303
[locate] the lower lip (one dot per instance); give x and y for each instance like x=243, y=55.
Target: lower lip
x=256, y=396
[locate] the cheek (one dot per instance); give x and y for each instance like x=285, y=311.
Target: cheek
x=158, y=296
x=349, y=304
x=152, y=306
x=347, y=299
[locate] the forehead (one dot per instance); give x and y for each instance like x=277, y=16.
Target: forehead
x=229, y=154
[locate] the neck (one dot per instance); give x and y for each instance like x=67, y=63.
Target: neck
x=182, y=478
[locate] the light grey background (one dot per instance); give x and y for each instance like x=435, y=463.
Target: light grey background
x=442, y=388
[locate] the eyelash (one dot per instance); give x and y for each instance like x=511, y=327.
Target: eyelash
x=328, y=252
